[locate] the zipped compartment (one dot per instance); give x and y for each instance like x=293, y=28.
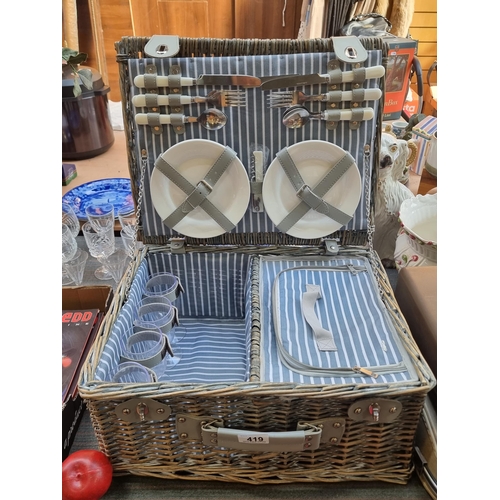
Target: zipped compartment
x=314, y=286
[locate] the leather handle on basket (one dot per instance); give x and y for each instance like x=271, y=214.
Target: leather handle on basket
x=307, y=438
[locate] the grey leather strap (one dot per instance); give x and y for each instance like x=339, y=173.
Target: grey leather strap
x=145, y=336
x=359, y=75
x=174, y=81
x=324, y=338
x=151, y=100
x=334, y=96
x=153, y=119
x=150, y=81
x=358, y=95
x=197, y=195
x=312, y=198
x=308, y=438
x=174, y=100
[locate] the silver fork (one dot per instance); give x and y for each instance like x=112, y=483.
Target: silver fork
x=286, y=98
x=221, y=98
x=224, y=98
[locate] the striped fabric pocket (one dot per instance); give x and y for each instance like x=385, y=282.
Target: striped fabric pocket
x=365, y=347
x=214, y=317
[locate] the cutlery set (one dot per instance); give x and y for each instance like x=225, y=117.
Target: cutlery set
x=295, y=116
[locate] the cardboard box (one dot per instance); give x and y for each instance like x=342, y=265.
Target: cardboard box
x=397, y=81
x=73, y=408
x=68, y=173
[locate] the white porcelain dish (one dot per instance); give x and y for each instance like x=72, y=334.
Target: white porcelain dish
x=193, y=159
x=313, y=160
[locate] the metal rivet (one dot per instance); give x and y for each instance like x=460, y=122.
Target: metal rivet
x=333, y=440
x=333, y=87
x=178, y=128
x=182, y=420
x=183, y=435
x=336, y=424
x=393, y=409
x=214, y=435
x=157, y=128
x=320, y=426
x=333, y=105
x=126, y=411
x=354, y=123
x=176, y=91
x=307, y=445
x=355, y=104
x=154, y=109
x=213, y=441
x=358, y=410
x=160, y=410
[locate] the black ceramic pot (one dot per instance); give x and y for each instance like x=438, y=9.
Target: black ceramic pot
x=86, y=124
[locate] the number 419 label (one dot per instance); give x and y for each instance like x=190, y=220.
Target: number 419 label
x=253, y=438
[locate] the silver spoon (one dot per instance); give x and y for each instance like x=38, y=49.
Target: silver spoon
x=211, y=119
x=298, y=116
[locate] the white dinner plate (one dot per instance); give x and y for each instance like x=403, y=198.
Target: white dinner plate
x=313, y=160
x=193, y=159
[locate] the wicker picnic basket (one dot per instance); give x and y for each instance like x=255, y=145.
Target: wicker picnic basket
x=180, y=427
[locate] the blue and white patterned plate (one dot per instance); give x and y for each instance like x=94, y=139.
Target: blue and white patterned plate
x=116, y=191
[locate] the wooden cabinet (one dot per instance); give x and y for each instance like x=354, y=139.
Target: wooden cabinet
x=424, y=29
x=186, y=18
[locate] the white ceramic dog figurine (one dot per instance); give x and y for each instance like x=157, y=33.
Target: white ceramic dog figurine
x=389, y=195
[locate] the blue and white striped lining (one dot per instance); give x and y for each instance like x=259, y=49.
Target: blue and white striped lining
x=214, y=316
x=254, y=127
x=350, y=308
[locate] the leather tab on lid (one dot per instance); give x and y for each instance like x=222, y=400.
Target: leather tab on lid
x=349, y=49
x=161, y=46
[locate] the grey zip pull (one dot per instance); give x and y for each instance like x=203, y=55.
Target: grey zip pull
x=355, y=270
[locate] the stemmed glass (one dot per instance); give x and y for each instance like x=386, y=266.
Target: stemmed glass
x=69, y=245
x=71, y=220
x=100, y=215
x=101, y=245
x=99, y=233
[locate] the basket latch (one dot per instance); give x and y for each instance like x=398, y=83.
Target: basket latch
x=375, y=410
x=142, y=410
x=332, y=429
x=161, y=46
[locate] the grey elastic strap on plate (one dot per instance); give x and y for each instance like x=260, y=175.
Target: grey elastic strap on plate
x=324, y=338
x=197, y=195
x=312, y=198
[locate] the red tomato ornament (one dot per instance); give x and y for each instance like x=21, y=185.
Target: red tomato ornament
x=86, y=475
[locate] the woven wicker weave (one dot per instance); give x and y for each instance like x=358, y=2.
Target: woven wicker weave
x=367, y=451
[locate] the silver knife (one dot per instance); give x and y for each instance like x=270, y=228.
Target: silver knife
x=246, y=81
x=298, y=80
